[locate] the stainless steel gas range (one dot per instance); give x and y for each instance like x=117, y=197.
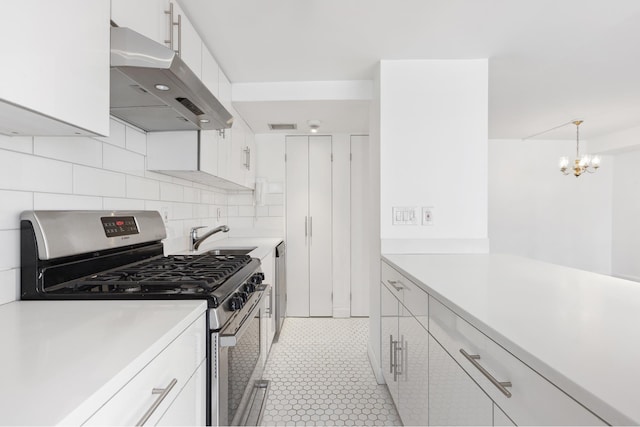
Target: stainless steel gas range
x=89, y=255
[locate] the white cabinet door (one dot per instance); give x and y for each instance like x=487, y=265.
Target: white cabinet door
x=146, y=17
x=454, y=398
x=297, y=226
x=209, y=151
x=224, y=154
x=360, y=225
x=500, y=418
x=55, y=77
x=189, y=407
x=389, y=338
x=224, y=87
x=320, y=262
x=413, y=370
x=237, y=167
x=250, y=174
x=210, y=71
x=189, y=44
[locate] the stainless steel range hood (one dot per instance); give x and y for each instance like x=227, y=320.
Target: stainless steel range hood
x=153, y=89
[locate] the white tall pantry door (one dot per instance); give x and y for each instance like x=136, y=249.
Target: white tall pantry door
x=360, y=225
x=320, y=234
x=308, y=228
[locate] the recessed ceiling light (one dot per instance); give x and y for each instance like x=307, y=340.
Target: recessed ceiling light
x=314, y=125
x=162, y=87
x=204, y=120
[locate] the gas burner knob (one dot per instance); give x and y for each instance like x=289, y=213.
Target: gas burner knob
x=249, y=287
x=257, y=278
x=235, y=303
x=243, y=296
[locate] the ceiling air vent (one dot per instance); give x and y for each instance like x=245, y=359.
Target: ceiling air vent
x=282, y=126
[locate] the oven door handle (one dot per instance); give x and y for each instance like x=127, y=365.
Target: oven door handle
x=231, y=340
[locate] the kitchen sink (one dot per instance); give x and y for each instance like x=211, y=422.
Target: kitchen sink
x=231, y=251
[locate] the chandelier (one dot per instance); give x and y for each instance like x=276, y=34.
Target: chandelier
x=586, y=163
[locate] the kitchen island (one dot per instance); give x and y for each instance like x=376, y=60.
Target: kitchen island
x=576, y=329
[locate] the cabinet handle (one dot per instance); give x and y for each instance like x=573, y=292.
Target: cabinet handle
x=501, y=385
x=179, y=51
x=248, y=158
x=399, y=361
x=393, y=283
x=170, y=13
x=163, y=392
x=391, y=345
x=305, y=227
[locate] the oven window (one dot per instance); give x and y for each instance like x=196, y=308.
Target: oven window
x=243, y=358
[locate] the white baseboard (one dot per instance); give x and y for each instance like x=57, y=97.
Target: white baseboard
x=375, y=365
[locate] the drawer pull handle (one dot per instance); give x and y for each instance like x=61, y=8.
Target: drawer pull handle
x=163, y=392
x=393, y=283
x=501, y=385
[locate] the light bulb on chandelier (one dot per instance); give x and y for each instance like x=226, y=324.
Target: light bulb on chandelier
x=586, y=163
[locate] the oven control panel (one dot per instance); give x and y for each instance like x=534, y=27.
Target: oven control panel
x=115, y=226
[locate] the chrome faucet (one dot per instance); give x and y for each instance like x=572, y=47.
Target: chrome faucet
x=195, y=241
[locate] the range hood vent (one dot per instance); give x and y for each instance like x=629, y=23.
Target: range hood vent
x=153, y=89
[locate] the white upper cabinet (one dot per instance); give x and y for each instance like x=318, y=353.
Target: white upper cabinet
x=148, y=17
x=210, y=71
x=55, y=78
x=187, y=42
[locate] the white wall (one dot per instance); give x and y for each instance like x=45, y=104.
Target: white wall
x=537, y=212
x=92, y=173
x=433, y=149
x=626, y=216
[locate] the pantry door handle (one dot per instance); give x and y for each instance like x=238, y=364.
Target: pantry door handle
x=393, y=283
x=306, y=230
x=501, y=385
x=391, y=345
x=170, y=13
x=163, y=392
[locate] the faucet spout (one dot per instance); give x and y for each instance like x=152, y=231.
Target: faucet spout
x=197, y=241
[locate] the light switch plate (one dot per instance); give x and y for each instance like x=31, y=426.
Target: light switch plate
x=427, y=215
x=404, y=215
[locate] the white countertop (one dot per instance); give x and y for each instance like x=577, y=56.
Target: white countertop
x=578, y=329
x=60, y=360
x=263, y=245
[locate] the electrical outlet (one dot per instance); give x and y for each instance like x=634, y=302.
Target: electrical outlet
x=164, y=212
x=427, y=215
x=404, y=215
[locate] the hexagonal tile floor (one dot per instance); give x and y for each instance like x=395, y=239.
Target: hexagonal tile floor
x=320, y=375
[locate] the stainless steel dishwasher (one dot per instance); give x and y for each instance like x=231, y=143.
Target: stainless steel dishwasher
x=281, y=288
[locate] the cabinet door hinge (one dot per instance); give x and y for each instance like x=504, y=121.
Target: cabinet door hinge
x=350, y=157
x=331, y=296
x=332, y=157
x=285, y=157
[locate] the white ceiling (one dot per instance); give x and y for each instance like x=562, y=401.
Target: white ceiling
x=551, y=61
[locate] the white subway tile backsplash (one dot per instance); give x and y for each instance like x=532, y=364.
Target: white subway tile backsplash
x=20, y=171
x=275, y=199
x=17, y=143
x=246, y=211
x=9, y=285
x=158, y=176
x=240, y=199
x=160, y=206
x=276, y=210
x=222, y=199
x=171, y=192
x=192, y=195
x=262, y=210
x=136, y=140
x=233, y=211
x=240, y=222
x=207, y=197
x=98, y=182
x=142, y=188
x=182, y=210
x=51, y=201
x=201, y=211
x=112, y=204
x=80, y=150
x=270, y=223
x=11, y=204
x=117, y=132
x=121, y=160
x=9, y=249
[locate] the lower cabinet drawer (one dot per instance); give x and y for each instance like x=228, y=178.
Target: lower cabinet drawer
x=533, y=400
x=153, y=389
x=412, y=297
